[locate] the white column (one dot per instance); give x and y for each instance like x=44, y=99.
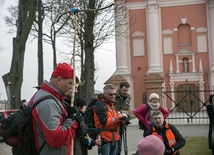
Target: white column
x=211, y=31
x=200, y=66
x=193, y=63
x=171, y=67
x=154, y=37
x=122, y=43
x=172, y=89
x=177, y=64
x=210, y=19
x=201, y=84
x=122, y=47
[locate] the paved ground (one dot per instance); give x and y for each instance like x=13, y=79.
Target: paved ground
x=134, y=135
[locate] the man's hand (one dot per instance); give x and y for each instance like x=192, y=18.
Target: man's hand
x=71, y=110
x=169, y=151
x=98, y=142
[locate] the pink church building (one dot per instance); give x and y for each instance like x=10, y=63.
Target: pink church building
x=169, y=46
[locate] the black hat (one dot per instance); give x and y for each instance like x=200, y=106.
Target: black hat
x=80, y=101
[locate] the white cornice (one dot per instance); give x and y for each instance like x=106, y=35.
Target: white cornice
x=201, y=30
x=167, y=32
x=167, y=3
x=138, y=34
x=174, y=77
x=136, y=5
x=163, y=3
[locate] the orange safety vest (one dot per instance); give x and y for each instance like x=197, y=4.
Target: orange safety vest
x=169, y=135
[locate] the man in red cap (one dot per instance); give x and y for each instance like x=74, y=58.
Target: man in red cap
x=52, y=124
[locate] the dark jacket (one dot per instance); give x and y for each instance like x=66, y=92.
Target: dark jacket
x=180, y=141
x=82, y=144
x=122, y=103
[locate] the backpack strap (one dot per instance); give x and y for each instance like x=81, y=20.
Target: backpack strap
x=147, y=109
x=42, y=99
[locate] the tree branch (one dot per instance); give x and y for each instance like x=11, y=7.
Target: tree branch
x=82, y=10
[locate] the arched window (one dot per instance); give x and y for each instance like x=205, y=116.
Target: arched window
x=184, y=35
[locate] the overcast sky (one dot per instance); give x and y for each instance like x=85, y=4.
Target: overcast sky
x=104, y=57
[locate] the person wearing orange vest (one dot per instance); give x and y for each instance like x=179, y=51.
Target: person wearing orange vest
x=172, y=138
x=108, y=120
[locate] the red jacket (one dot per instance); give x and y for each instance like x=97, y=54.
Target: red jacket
x=50, y=123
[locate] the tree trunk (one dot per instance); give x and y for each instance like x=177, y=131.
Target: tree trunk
x=13, y=80
x=40, y=42
x=89, y=52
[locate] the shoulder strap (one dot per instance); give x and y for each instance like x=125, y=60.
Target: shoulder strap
x=147, y=109
x=44, y=98
x=160, y=108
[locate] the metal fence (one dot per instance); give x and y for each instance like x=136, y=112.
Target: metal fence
x=188, y=106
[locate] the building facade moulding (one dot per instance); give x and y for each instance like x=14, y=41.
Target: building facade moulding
x=162, y=3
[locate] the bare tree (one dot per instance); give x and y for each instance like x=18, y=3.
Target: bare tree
x=95, y=25
x=40, y=18
x=13, y=80
x=46, y=14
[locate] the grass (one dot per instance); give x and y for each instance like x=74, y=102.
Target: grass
x=196, y=146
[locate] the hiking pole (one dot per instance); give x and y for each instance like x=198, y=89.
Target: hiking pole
x=99, y=145
x=125, y=143
x=123, y=129
x=73, y=10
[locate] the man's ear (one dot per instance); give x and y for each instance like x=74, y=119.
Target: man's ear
x=59, y=78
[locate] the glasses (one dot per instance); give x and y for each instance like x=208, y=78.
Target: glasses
x=111, y=94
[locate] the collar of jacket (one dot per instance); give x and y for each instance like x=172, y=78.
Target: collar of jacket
x=104, y=99
x=120, y=96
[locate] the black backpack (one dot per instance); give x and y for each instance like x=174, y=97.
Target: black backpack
x=18, y=131
x=88, y=118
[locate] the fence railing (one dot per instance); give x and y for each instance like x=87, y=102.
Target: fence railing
x=188, y=106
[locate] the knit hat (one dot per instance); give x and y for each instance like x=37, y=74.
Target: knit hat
x=153, y=95
x=151, y=104
x=79, y=101
x=64, y=70
x=151, y=145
